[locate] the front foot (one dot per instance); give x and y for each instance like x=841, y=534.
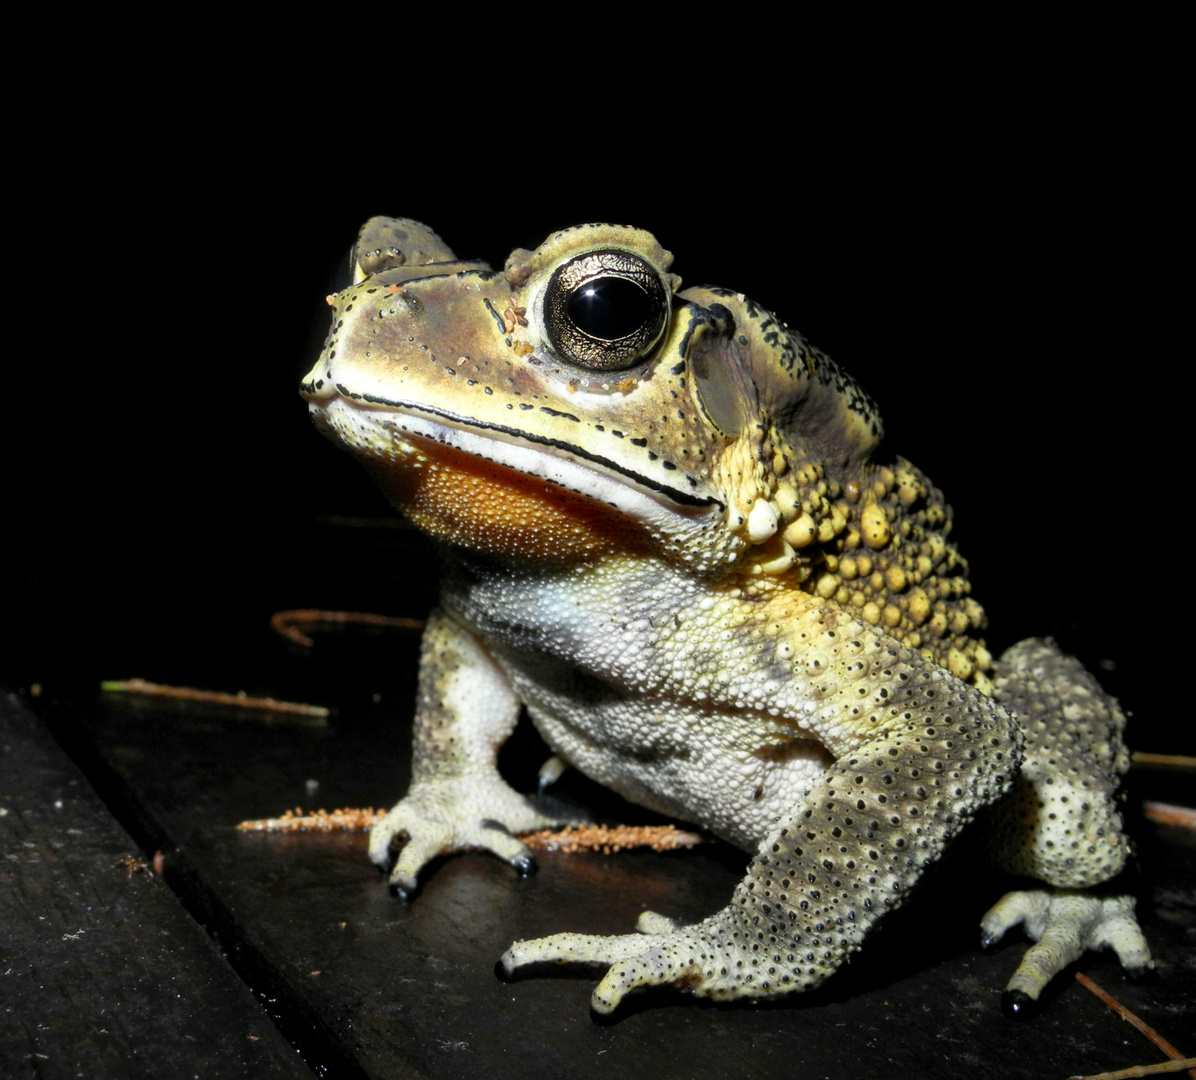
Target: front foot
x=444, y=816
x=1064, y=924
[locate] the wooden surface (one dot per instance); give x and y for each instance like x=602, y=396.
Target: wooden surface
x=102, y=971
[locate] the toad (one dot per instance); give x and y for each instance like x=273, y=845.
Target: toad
x=667, y=534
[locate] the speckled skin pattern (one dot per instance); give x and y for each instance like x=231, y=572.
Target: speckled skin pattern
x=664, y=533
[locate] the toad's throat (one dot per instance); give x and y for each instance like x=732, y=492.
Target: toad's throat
x=555, y=460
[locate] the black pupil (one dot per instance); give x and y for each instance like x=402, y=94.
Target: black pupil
x=609, y=308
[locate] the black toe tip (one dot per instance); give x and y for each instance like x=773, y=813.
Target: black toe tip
x=1147, y=973
x=1017, y=1004
x=401, y=892
x=525, y=865
x=988, y=941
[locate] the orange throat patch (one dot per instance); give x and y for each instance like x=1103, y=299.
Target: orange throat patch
x=495, y=510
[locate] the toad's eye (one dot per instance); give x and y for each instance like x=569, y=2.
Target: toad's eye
x=605, y=310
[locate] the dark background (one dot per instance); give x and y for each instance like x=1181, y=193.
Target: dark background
x=996, y=274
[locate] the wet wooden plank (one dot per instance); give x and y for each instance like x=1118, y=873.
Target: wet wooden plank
x=103, y=972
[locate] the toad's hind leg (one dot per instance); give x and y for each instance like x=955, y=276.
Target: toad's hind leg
x=909, y=777
x=1061, y=823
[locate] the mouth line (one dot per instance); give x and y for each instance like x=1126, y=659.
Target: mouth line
x=556, y=460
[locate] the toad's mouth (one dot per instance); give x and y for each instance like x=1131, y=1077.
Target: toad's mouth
x=382, y=426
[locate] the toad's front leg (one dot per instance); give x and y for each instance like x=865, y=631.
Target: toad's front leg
x=852, y=851
x=464, y=712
